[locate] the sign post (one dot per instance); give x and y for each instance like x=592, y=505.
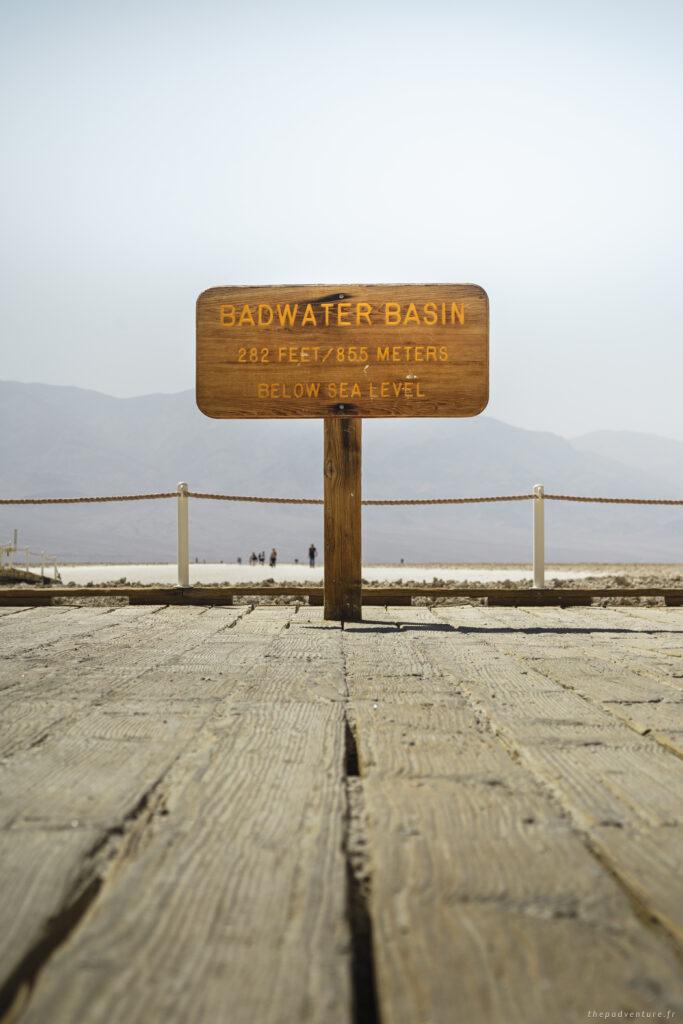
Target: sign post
x=342, y=468
x=341, y=354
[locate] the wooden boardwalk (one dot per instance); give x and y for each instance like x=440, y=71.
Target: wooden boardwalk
x=236, y=816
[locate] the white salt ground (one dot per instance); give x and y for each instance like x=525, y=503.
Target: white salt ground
x=288, y=573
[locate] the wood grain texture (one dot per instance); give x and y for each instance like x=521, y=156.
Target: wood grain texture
x=646, y=694
x=342, y=481
x=30, y=633
x=236, y=910
x=77, y=760
x=347, y=355
x=186, y=838
x=486, y=903
x=623, y=791
x=17, y=599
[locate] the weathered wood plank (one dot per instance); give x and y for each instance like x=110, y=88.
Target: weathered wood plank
x=24, y=634
x=26, y=723
x=106, y=661
x=660, y=618
x=108, y=756
x=37, y=693
x=478, y=876
x=42, y=874
x=83, y=781
x=236, y=908
x=251, y=662
x=205, y=759
x=637, y=693
x=505, y=921
x=4, y=612
x=83, y=762
x=607, y=788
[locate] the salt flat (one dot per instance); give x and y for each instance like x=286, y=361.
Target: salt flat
x=297, y=573
x=251, y=815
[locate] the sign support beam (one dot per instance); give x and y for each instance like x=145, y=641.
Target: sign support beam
x=342, y=477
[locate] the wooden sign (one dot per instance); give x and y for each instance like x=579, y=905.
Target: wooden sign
x=346, y=350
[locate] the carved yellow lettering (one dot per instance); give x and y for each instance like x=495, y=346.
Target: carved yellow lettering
x=327, y=306
x=443, y=353
x=430, y=314
x=343, y=309
x=382, y=354
x=227, y=316
x=309, y=316
x=411, y=316
x=392, y=313
x=355, y=391
x=261, y=314
x=363, y=311
x=246, y=316
x=287, y=314
x=459, y=313
x=263, y=390
x=312, y=390
x=431, y=353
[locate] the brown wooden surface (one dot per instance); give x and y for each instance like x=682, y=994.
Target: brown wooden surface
x=362, y=365
x=342, y=482
x=449, y=815
x=371, y=595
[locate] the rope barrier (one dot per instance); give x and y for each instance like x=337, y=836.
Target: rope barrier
x=267, y=501
x=374, y=501
x=319, y=501
x=615, y=501
x=447, y=501
x=78, y=501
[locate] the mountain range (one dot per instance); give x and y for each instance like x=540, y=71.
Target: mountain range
x=65, y=441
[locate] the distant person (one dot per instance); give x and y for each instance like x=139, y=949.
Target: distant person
x=273, y=558
x=312, y=552
x=239, y=561
x=296, y=561
x=261, y=558
x=253, y=558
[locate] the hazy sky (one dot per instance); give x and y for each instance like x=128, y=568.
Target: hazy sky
x=152, y=149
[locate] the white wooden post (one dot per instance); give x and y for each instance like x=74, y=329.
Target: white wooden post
x=183, y=537
x=56, y=570
x=27, y=556
x=42, y=566
x=539, y=537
